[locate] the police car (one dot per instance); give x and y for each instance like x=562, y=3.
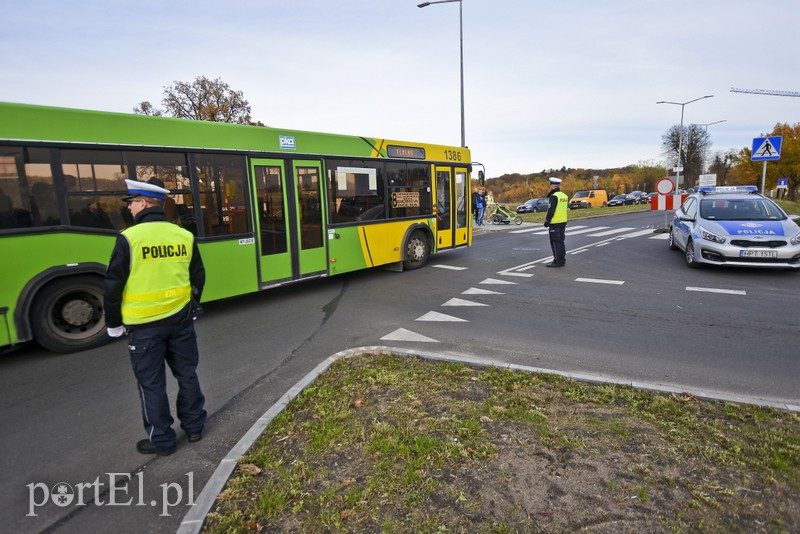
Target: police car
x=735, y=225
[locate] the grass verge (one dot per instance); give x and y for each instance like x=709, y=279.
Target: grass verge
x=398, y=444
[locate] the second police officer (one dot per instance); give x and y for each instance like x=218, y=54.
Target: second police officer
x=556, y=221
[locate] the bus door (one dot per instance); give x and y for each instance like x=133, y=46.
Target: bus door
x=290, y=219
x=452, y=207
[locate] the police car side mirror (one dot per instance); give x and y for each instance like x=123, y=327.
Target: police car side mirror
x=685, y=218
x=795, y=218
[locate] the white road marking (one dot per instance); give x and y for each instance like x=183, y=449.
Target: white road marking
x=451, y=267
x=584, y=230
x=663, y=237
x=440, y=318
x=478, y=291
x=462, y=302
x=611, y=232
x=721, y=291
x=401, y=334
x=599, y=281
x=495, y=281
x=637, y=234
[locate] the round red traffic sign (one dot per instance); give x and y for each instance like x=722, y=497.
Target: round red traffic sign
x=665, y=186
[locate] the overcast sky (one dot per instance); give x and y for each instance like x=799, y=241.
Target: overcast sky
x=548, y=84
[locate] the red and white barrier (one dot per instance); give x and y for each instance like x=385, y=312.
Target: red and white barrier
x=667, y=202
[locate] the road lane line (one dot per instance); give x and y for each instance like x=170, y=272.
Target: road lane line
x=599, y=281
x=720, y=291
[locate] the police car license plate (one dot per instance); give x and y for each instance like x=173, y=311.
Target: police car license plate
x=758, y=253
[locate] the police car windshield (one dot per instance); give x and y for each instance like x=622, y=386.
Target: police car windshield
x=740, y=209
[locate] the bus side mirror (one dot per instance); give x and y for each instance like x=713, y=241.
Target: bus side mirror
x=481, y=178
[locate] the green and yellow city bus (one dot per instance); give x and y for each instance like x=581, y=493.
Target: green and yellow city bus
x=268, y=207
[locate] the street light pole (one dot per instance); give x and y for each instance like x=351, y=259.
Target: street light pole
x=680, y=135
x=461, y=49
x=705, y=126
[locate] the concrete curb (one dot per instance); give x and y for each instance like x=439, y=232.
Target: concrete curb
x=193, y=520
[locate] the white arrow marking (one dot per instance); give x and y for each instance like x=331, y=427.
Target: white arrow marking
x=440, y=317
x=494, y=281
x=462, y=302
x=401, y=334
x=478, y=291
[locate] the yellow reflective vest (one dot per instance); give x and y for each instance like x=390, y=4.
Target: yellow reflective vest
x=560, y=215
x=158, y=285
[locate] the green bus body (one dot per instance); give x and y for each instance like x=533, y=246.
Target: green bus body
x=267, y=206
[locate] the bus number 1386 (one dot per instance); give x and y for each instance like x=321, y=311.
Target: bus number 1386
x=452, y=155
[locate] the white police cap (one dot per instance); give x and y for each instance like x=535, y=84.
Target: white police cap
x=554, y=180
x=144, y=189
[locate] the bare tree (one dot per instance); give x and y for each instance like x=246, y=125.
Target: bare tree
x=694, y=143
x=204, y=100
x=146, y=108
x=721, y=164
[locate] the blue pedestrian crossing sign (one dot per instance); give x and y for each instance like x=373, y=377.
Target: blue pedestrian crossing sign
x=766, y=148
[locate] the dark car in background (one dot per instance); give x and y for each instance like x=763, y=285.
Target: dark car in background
x=622, y=200
x=533, y=205
x=640, y=197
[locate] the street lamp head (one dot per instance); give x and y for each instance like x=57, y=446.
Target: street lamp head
x=424, y=4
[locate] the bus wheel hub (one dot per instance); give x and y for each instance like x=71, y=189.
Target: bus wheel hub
x=77, y=312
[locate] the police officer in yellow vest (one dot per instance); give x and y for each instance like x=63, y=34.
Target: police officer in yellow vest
x=153, y=283
x=556, y=221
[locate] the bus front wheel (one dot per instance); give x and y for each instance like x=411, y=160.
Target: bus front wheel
x=417, y=251
x=67, y=314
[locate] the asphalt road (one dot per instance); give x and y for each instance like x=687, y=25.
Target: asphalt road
x=625, y=307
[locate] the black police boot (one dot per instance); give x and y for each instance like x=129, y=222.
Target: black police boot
x=145, y=446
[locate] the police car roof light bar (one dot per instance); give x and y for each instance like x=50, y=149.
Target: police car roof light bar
x=728, y=189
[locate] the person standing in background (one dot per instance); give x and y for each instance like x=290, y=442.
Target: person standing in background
x=556, y=221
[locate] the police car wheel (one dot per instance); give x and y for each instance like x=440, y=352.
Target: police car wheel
x=417, y=251
x=689, y=255
x=672, y=245
x=67, y=314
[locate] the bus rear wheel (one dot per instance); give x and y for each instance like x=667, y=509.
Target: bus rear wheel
x=417, y=251
x=67, y=314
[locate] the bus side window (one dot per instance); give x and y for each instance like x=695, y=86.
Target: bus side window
x=221, y=179
x=26, y=188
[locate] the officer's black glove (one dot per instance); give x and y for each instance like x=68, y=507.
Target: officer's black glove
x=546, y=224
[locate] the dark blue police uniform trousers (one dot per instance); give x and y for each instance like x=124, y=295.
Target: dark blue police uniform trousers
x=150, y=348
x=557, y=242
